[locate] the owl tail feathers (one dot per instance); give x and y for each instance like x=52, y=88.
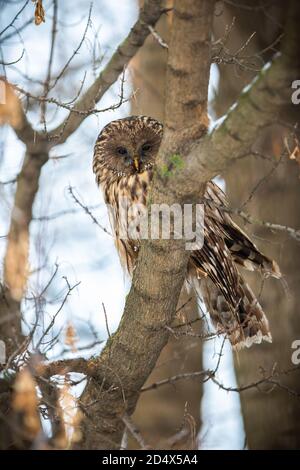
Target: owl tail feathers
x=254, y=330
x=254, y=326
x=245, y=324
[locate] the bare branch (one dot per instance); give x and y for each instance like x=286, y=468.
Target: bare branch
x=15, y=18
x=203, y=374
x=135, y=432
x=149, y=15
x=159, y=39
x=293, y=233
x=87, y=211
x=65, y=366
x=258, y=106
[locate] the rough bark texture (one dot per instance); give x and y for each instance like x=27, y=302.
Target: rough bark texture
x=160, y=413
x=168, y=417
x=131, y=354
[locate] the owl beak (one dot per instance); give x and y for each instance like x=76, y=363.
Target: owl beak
x=136, y=163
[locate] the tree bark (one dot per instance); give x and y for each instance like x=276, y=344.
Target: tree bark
x=160, y=413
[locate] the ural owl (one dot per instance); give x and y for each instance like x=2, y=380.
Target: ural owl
x=124, y=163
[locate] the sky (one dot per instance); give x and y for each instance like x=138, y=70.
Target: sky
x=84, y=253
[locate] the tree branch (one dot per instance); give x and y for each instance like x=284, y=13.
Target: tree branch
x=258, y=106
x=16, y=257
x=148, y=16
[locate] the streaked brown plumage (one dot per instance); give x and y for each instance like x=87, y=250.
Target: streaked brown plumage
x=124, y=160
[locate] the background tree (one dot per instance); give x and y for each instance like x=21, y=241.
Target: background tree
x=266, y=184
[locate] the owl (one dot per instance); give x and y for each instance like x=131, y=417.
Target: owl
x=124, y=164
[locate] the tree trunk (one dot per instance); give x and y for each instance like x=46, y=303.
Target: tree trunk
x=272, y=420
x=167, y=417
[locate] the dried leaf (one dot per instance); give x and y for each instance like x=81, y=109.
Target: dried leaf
x=39, y=13
x=71, y=337
x=26, y=403
x=295, y=155
x=71, y=418
x=10, y=105
x=16, y=267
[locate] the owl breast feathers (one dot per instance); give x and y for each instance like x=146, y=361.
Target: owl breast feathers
x=124, y=161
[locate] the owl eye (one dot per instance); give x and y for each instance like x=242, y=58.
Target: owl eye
x=122, y=151
x=146, y=147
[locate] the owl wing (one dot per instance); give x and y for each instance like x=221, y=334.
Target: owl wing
x=243, y=250
x=243, y=326
x=233, y=307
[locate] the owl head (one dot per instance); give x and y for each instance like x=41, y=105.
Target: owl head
x=128, y=146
